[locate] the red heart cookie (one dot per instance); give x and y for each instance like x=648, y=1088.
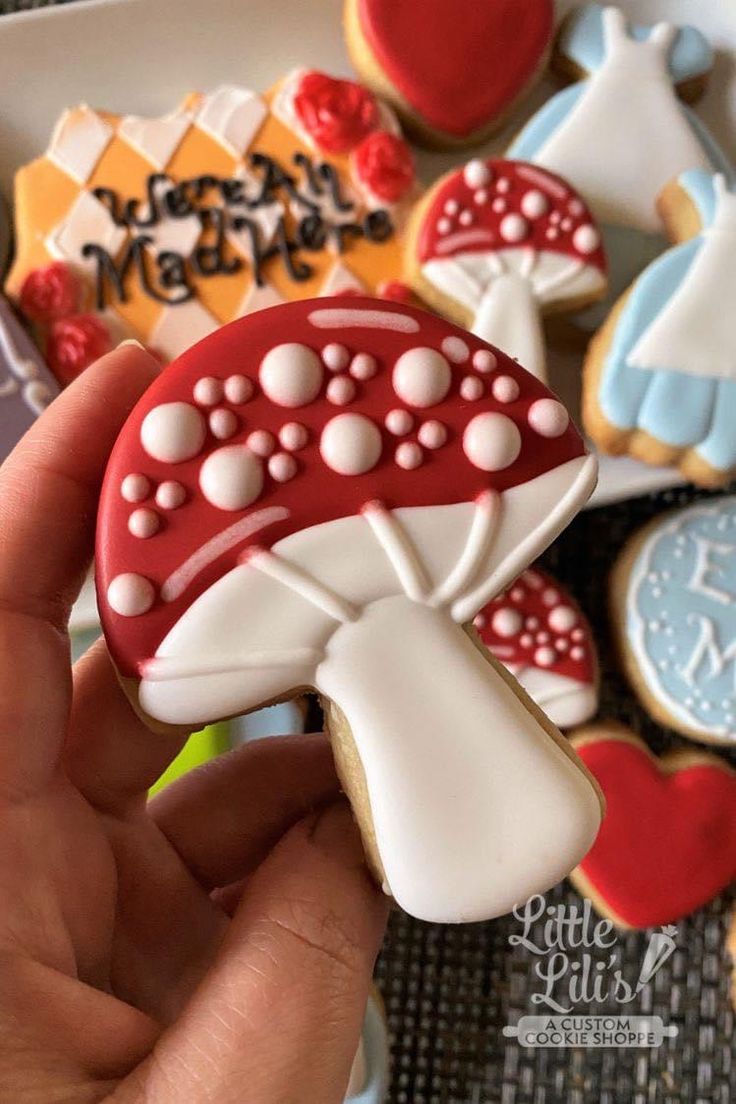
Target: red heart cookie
x=456, y=70
x=667, y=844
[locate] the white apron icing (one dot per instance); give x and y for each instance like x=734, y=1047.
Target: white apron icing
x=627, y=134
x=694, y=333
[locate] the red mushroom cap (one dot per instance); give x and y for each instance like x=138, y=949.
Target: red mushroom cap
x=492, y=205
x=290, y=418
x=536, y=623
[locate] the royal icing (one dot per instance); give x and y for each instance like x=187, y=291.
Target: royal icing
x=540, y=634
x=667, y=844
x=360, y=585
x=232, y=203
x=621, y=134
x=26, y=385
x=670, y=367
x=460, y=75
x=504, y=241
x=681, y=618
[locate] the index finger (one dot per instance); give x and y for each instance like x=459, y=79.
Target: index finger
x=48, y=498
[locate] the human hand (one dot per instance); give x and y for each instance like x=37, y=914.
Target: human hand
x=215, y=944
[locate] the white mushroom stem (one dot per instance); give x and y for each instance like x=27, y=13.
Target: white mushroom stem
x=508, y=316
x=453, y=761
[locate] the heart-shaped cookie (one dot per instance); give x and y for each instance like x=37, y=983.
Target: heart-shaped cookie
x=453, y=72
x=667, y=844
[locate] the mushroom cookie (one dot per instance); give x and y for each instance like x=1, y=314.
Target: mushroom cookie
x=498, y=244
x=621, y=133
x=26, y=385
x=660, y=375
x=324, y=495
x=673, y=600
x=540, y=634
x=233, y=202
x=667, y=845
x=454, y=72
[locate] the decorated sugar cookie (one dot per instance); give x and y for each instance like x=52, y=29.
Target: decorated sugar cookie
x=621, y=133
x=233, y=202
x=660, y=375
x=323, y=495
x=540, y=634
x=667, y=844
x=498, y=244
x=454, y=72
x=673, y=595
x=26, y=385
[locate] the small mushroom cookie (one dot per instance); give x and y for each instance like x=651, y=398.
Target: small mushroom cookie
x=621, y=133
x=660, y=375
x=233, y=202
x=323, y=495
x=498, y=244
x=673, y=600
x=26, y=385
x=540, y=634
x=454, y=72
x=667, y=844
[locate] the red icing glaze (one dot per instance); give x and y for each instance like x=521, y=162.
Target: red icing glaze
x=74, y=343
x=50, y=292
x=383, y=162
x=443, y=232
x=667, y=844
x=336, y=113
x=461, y=67
x=549, y=620
x=316, y=494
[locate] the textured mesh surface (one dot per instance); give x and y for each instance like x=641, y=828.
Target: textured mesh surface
x=449, y=991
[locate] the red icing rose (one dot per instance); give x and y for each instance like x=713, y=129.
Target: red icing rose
x=74, y=343
x=50, y=292
x=397, y=292
x=336, y=113
x=384, y=164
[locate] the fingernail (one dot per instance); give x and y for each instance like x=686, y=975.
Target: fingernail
x=131, y=341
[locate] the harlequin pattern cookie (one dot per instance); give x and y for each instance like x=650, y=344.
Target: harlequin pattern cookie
x=673, y=599
x=26, y=385
x=540, y=634
x=233, y=202
x=453, y=73
x=309, y=498
x=667, y=844
x=660, y=375
x=496, y=245
x=621, y=133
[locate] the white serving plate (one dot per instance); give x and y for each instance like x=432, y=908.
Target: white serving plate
x=141, y=56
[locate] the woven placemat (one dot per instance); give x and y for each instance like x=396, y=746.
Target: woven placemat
x=450, y=990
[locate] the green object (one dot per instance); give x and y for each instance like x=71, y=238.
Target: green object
x=199, y=748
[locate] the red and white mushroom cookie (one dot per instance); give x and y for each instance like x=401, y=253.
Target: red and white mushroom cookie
x=540, y=634
x=498, y=244
x=322, y=495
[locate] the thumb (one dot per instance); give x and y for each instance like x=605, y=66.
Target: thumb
x=281, y=1009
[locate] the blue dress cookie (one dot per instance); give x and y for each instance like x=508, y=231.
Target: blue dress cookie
x=660, y=376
